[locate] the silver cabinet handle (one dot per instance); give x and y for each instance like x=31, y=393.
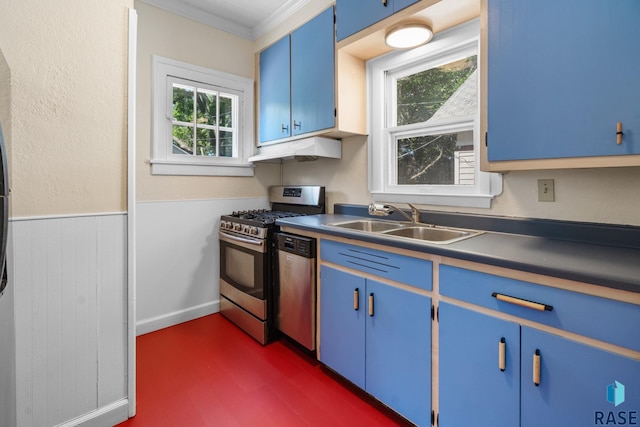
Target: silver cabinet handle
x=371, y=304
x=502, y=354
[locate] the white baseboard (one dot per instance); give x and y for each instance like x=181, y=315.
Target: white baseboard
x=170, y=319
x=109, y=415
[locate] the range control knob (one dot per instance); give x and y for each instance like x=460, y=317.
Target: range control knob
x=237, y=227
x=253, y=231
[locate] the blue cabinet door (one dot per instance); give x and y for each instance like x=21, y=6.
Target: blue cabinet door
x=474, y=391
x=355, y=15
x=398, y=350
x=313, y=75
x=560, y=76
x=579, y=385
x=342, y=323
x=275, y=91
x=401, y=4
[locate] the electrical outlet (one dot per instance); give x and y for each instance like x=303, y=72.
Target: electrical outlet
x=546, y=191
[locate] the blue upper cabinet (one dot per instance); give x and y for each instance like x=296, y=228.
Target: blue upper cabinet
x=561, y=75
x=355, y=15
x=401, y=4
x=297, y=76
x=313, y=75
x=275, y=91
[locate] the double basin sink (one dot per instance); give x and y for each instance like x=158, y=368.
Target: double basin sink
x=408, y=230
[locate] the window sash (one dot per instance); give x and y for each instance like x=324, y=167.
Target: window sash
x=382, y=73
x=199, y=87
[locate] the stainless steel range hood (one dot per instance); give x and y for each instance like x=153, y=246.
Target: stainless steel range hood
x=301, y=150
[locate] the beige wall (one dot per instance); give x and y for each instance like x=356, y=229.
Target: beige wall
x=608, y=195
x=172, y=36
x=69, y=65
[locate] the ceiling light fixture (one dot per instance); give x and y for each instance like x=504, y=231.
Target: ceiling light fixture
x=408, y=35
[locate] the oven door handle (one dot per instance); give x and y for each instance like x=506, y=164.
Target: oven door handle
x=259, y=243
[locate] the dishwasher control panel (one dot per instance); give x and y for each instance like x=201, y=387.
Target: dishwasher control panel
x=298, y=245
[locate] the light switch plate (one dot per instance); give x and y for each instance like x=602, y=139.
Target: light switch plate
x=546, y=191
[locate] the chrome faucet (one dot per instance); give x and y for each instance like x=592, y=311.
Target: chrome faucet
x=377, y=209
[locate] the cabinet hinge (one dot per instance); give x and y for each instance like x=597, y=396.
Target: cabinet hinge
x=433, y=417
x=486, y=139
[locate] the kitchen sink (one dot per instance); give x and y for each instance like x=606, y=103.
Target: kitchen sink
x=432, y=234
x=406, y=230
x=371, y=226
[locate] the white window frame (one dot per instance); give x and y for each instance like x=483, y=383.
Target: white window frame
x=382, y=72
x=163, y=161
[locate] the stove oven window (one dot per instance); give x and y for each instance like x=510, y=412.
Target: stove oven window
x=237, y=267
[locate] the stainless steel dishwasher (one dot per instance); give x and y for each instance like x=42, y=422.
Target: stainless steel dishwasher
x=296, y=288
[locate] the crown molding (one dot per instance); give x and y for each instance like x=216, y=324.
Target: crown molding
x=268, y=24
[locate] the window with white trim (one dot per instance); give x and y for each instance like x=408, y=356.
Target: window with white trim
x=202, y=121
x=424, y=124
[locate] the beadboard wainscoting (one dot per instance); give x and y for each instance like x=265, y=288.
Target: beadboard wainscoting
x=70, y=278
x=177, y=276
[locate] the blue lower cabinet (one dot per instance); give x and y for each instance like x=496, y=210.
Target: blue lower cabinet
x=378, y=337
x=474, y=389
x=578, y=385
x=398, y=350
x=342, y=323
x=547, y=380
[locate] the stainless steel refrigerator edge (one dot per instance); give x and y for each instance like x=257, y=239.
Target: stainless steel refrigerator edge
x=4, y=212
x=7, y=311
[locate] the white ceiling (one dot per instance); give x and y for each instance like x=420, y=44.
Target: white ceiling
x=245, y=18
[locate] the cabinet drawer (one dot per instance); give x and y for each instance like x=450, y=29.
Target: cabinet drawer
x=599, y=318
x=411, y=271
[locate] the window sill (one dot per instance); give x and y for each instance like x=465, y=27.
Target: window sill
x=161, y=167
x=481, y=201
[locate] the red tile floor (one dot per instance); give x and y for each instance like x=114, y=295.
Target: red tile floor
x=207, y=372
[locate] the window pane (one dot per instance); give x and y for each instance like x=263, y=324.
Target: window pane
x=450, y=90
x=183, y=103
x=206, y=141
x=226, y=144
x=445, y=159
x=226, y=111
x=182, y=139
x=206, y=107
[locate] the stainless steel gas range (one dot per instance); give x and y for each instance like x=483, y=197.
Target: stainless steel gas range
x=248, y=257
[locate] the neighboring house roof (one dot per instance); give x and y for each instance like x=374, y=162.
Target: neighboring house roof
x=463, y=102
